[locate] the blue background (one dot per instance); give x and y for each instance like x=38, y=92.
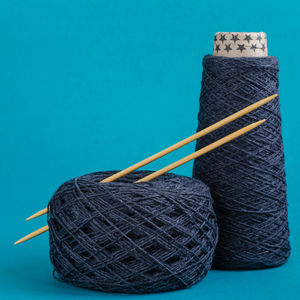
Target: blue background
x=97, y=85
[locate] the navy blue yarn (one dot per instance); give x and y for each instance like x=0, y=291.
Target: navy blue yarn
x=247, y=175
x=132, y=237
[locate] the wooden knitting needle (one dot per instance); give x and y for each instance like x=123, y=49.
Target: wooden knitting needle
x=37, y=214
x=170, y=167
x=177, y=145
x=202, y=151
x=32, y=235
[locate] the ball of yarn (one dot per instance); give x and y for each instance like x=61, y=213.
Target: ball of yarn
x=246, y=176
x=132, y=237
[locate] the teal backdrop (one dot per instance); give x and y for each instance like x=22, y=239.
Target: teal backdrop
x=98, y=85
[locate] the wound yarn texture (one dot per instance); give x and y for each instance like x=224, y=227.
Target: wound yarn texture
x=247, y=175
x=132, y=237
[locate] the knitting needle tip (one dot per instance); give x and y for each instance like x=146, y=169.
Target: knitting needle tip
x=39, y=213
x=273, y=96
x=260, y=122
x=32, y=235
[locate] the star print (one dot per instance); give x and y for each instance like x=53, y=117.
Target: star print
x=217, y=48
x=223, y=38
x=253, y=47
x=215, y=38
x=248, y=38
x=235, y=38
x=227, y=47
x=259, y=38
x=263, y=47
x=241, y=47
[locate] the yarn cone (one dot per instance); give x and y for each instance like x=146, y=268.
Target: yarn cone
x=246, y=176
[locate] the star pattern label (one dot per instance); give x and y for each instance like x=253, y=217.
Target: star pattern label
x=237, y=44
